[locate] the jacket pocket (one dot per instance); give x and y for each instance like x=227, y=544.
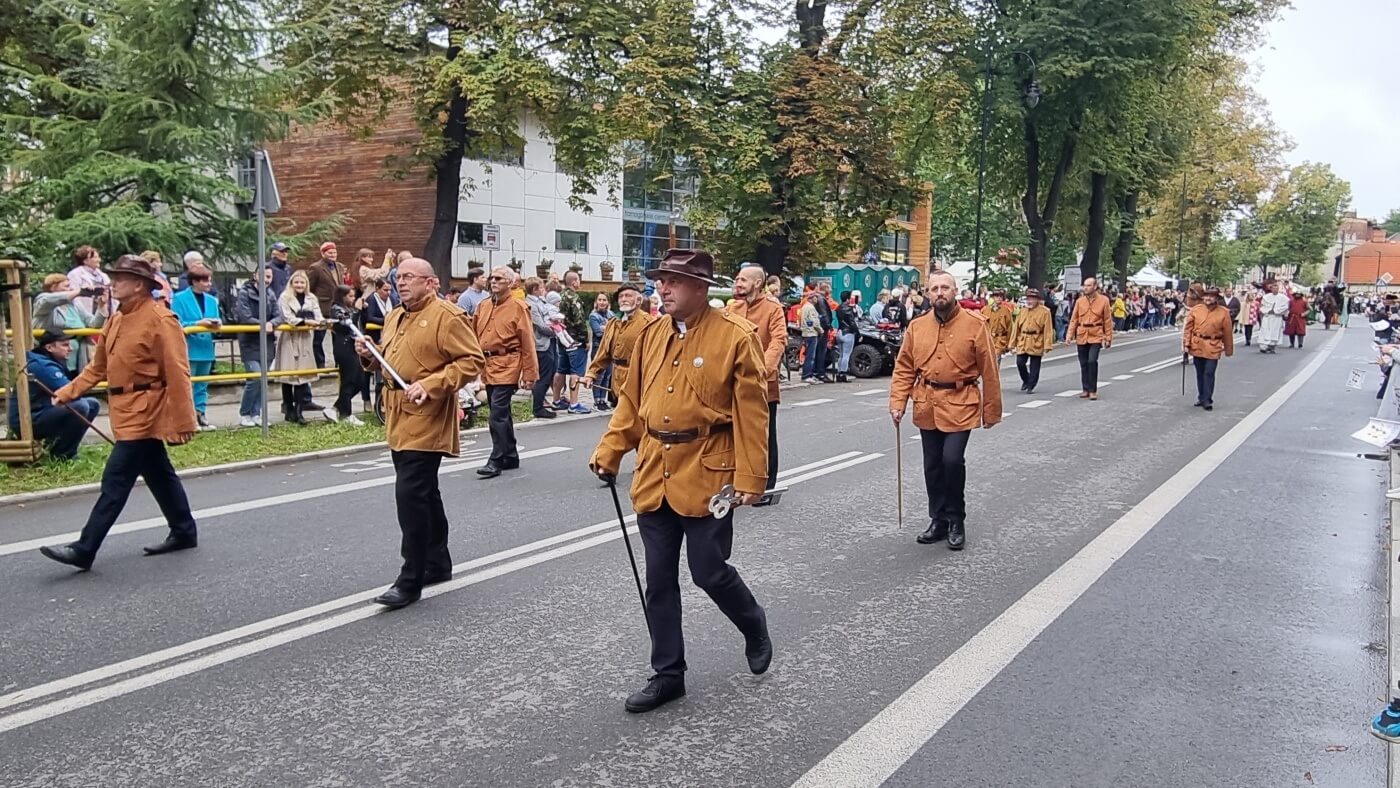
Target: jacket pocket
x=721, y=460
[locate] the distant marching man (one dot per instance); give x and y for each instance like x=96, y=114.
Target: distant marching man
x=1032, y=336
x=1207, y=335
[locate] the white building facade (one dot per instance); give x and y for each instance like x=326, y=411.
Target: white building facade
x=517, y=205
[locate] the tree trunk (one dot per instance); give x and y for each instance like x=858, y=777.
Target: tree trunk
x=1039, y=221
x=1127, y=227
x=1093, y=239
x=447, y=174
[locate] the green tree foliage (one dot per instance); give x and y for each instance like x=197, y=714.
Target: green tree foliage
x=124, y=122
x=1391, y=223
x=1299, y=219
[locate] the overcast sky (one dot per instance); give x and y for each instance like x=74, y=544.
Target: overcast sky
x=1328, y=71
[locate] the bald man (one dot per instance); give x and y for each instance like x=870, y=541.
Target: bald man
x=765, y=314
x=1090, y=330
x=430, y=344
x=503, y=325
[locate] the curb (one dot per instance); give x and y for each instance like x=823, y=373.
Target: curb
x=1392, y=628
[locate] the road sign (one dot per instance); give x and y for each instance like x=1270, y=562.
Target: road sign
x=1074, y=280
x=1385, y=278
x=491, y=237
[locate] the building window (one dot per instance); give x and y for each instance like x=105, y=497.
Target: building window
x=645, y=243
x=570, y=241
x=470, y=233
x=891, y=248
x=507, y=152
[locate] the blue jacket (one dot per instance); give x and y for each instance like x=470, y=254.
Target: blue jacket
x=47, y=370
x=186, y=307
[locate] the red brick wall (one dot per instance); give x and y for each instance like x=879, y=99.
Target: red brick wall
x=323, y=169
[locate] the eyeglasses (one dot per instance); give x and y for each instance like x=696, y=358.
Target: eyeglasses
x=496, y=279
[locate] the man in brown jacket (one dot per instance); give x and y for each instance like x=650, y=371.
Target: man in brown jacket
x=143, y=358
x=507, y=337
x=999, y=319
x=1208, y=334
x=619, y=335
x=324, y=278
x=944, y=354
x=765, y=313
x=1032, y=336
x=693, y=406
x=1091, y=329
x=430, y=344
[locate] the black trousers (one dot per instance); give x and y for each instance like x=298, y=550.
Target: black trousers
x=421, y=517
x=1205, y=379
x=318, y=349
x=1248, y=333
x=1385, y=381
x=1029, y=368
x=707, y=547
x=1089, y=366
x=501, y=425
x=772, y=445
x=945, y=473
x=352, y=376
x=128, y=460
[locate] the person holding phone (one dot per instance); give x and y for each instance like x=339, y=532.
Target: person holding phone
x=197, y=306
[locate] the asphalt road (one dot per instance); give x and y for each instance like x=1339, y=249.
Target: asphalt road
x=1152, y=595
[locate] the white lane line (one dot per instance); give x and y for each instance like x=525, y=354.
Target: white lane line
x=870, y=392
x=609, y=529
x=1048, y=359
x=873, y=753
x=1103, y=383
x=1039, y=403
x=451, y=466
x=1156, y=364
x=811, y=402
x=1070, y=393
x=1161, y=365
x=1122, y=377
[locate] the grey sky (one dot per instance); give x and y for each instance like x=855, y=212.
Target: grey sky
x=1327, y=71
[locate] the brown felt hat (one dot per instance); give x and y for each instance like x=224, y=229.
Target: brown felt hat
x=136, y=266
x=694, y=263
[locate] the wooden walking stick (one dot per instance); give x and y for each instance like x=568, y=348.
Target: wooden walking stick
x=67, y=407
x=899, y=476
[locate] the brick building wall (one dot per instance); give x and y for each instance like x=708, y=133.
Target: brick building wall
x=324, y=169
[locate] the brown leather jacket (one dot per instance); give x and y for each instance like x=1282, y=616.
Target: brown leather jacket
x=1091, y=323
x=1208, y=332
x=508, y=340
x=766, y=315
x=954, y=355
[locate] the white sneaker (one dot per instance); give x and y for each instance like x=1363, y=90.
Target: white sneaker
x=354, y=421
x=247, y=421
x=330, y=415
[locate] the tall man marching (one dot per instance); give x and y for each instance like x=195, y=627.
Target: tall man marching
x=1208, y=334
x=944, y=355
x=619, y=335
x=1091, y=330
x=694, y=406
x=1032, y=336
x=143, y=358
x=507, y=338
x=430, y=344
x=765, y=313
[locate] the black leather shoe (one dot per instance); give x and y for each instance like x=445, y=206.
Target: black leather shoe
x=65, y=554
x=434, y=579
x=659, y=691
x=396, y=598
x=758, y=649
x=509, y=465
x=170, y=545
x=488, y=471
x=1198, y=404
x=957, y=535
x=937, y=531
x=1030, y=390
x=1209, y=406
x=545, y=414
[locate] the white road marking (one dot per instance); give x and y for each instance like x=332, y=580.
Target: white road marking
x=1070, y=393
x=789, y=477
x=879, y=748
x=1039, y=403
x=1122, y=377
x=870, y=392
x=811, y=402
x=1103, y=383
x=256, y=503
x=1160, y=365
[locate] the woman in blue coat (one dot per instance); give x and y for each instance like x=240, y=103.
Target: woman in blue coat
x=197, y=306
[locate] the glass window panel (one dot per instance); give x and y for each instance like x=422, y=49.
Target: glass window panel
x=470, y=233
x=570, y=241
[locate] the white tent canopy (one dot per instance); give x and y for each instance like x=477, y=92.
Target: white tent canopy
x=1149, y=276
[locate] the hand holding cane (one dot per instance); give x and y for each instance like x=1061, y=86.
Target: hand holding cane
x=84, y=419
x=898, y=468
x=374, y=351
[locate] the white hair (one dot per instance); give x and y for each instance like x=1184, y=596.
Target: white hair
x=193, y=257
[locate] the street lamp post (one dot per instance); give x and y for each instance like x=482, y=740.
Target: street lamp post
x=1031, y=98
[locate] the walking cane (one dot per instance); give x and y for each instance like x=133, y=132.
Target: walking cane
x=1184, y=357
x=899, y=476
x=622, y=523
x=25, y=369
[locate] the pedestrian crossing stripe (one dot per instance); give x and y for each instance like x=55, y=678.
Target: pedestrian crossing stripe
x=1070, y=393
x=1122, y=377
x=1040, y=403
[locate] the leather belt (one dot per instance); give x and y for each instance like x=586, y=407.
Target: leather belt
x=1203, y=336
x=620, y=362
x=956, y=384
x=1034, y=333
x=686, y=436
x=155, y=384
x=490, y=353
